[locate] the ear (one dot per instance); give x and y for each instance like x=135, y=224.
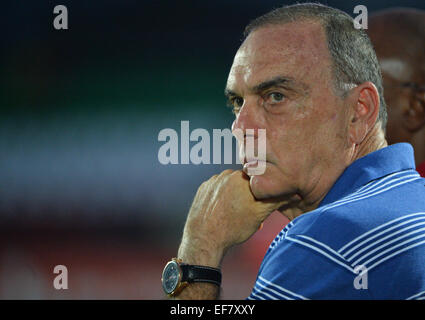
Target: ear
x=364, y=111
x=414, y=115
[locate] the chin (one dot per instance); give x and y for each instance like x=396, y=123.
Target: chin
x=266, y=186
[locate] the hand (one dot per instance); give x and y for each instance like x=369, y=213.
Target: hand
x=224, y=213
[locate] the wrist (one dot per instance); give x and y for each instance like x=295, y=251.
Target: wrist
x=197, y=253
x=199, y=281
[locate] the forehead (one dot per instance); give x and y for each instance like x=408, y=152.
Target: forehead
x=297, y=50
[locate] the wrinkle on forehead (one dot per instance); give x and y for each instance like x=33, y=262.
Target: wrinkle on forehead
x=296, y=48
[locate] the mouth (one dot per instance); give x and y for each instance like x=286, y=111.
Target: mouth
x=251, y=166
x=252, y=162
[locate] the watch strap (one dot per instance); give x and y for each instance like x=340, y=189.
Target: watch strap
x=194, y=273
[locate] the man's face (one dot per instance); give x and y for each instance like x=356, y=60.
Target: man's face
x=281, y=81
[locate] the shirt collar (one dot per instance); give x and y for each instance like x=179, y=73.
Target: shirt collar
x=377, y=164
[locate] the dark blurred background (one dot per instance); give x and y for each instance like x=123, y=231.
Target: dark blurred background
x=80, y=113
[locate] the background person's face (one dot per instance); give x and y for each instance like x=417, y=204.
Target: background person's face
x=400, y=78
x=305, y=121
x=402, y=62
x=398, y=100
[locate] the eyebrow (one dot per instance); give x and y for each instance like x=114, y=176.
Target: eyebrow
x=274, y=82
x=229, y=93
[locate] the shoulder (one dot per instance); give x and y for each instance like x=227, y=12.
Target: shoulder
x=381, y=230
x=322, y=255
x=375, y=208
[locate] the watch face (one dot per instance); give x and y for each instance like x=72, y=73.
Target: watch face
x=170, y=277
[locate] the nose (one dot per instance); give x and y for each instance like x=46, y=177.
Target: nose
x=247, y=118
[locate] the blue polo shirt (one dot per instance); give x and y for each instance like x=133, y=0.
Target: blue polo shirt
x=366, y=240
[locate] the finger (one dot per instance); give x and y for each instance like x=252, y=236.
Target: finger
x=226, y=172
x=241, y=174
x=276, y=203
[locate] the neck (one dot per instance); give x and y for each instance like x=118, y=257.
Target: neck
x=374, y=140
x=305, y=202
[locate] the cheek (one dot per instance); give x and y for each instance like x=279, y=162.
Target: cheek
x=301, y=137
x=327, y=135
x=288, y=151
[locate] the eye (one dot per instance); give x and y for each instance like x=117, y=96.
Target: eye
x=236, y=103
x=275, y=97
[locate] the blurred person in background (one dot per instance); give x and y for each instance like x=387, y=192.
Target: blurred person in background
x=398, y=36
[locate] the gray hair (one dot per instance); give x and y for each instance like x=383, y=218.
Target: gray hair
x=353, y=58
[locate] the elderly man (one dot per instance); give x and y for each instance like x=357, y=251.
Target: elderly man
x=398, y=36
x=357, y=206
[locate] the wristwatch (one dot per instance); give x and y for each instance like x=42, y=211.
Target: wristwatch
x=178, y=275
